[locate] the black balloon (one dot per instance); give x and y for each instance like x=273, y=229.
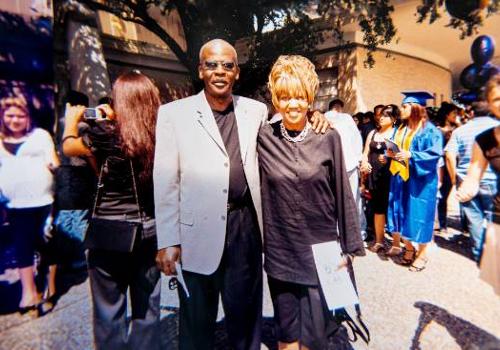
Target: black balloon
x=461, y=9
x=469, y=77
x=485, y=73
x=482, y=49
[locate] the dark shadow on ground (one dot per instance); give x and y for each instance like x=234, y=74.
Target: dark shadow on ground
x=467, y=335
x=459, y=243
x=169, y=330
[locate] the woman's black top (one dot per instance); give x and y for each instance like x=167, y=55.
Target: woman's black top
x=117, y=194
x=12, y=147
x=380, y=176
x=305, y=196
x=489, y=145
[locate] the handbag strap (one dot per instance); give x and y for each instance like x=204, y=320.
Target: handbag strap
x=136, y=195
x=100, y=185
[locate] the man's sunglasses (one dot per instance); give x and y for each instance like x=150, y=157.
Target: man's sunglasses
x=212, y=65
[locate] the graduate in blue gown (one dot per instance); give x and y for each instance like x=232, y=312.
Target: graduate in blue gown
x=414, y=181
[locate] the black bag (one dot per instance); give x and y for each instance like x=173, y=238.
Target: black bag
x=113, y=235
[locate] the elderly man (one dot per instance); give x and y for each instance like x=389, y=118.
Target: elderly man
x=208, y=203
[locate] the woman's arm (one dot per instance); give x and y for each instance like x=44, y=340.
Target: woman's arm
x=366, y=167
x=72, y=143
x=470, y=185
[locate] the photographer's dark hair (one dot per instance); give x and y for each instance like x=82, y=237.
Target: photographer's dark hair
x=77, y=98
x=136, y=100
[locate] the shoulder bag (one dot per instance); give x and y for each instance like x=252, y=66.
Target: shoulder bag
x=113, y=235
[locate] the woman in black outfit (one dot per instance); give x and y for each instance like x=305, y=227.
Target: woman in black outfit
x=305, y=196
x=375, y=165
x=122, y=144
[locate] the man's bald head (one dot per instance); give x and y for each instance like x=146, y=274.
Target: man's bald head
x=217, y=45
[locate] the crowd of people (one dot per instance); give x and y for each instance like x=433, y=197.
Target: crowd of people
x=206, y=185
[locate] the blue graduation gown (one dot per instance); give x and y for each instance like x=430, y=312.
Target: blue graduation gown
x=412, y=204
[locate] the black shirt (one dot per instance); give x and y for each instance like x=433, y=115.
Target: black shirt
x=305, y=196
x=117, y=195
x=12, y=147
x=226, y=121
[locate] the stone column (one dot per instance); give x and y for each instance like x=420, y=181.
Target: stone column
x=87, y=66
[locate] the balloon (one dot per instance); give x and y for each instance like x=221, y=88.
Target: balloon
x=469, y=77
x=485, y=73
x=466, y=97
x=482, y=49
x=463, y=8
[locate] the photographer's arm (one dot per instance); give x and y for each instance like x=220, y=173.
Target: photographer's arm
x=72, y=143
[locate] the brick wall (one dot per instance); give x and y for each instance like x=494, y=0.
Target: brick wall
x=383, y=83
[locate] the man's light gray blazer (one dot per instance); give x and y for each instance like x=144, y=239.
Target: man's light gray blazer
x=191, y=177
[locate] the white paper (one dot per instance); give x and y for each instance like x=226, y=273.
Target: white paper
x=336, y=284
x=180, y=278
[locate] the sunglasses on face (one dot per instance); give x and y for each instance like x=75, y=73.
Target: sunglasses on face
x=226, y=65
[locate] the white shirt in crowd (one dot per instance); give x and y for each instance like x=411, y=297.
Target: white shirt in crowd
x=352, y=143
x=25, y=178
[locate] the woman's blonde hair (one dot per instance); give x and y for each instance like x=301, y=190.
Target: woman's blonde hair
x=18, y=102
x=293, y=76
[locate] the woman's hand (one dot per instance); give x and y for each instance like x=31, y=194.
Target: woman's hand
x=366, y=167
x=382, y=159
x=402, y=156
x=390, y=154
x=73, y=114
x=107, y=111
x=467, y=190
x=345, y=262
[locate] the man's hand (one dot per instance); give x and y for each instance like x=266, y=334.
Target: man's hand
x=166, y=259
x=319, y=123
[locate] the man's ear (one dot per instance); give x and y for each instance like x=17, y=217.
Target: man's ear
x=237, y=73
x=200, y=72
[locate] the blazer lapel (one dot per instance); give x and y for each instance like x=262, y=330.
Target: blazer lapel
x=207, y=121
x=242, y=120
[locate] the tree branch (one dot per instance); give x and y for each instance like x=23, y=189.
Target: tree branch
x=140, y=16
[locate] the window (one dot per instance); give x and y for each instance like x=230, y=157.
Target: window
x=327, y=91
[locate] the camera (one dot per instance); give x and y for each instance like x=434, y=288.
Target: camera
x=93, y=114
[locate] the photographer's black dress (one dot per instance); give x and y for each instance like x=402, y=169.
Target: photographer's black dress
x=112, y=273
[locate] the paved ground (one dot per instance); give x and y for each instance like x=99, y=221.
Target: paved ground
x=445, y=306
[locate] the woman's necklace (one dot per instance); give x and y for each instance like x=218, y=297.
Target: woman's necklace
x=300, y=137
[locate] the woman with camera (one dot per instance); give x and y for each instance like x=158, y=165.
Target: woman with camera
x=121, y=237
x=28, y=159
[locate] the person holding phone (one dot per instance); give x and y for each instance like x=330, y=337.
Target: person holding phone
x=122, y=143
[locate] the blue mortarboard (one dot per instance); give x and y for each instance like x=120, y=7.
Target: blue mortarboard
x=418, y=97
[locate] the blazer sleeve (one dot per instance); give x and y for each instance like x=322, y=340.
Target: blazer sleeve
x=166, y=182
